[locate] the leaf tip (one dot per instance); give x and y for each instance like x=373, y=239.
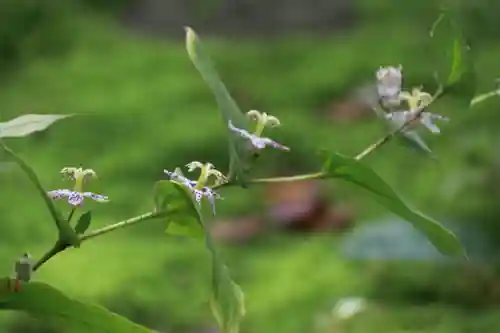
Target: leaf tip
x=191, y=41
x=190, y=35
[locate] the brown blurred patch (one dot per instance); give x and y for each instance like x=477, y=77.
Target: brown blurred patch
x=293, y=207
x=348, y=110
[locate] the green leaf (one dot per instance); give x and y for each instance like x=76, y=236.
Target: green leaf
x=66, y=233
x=28, y=124
x=227, y=300
x=450, y=47
x=353, y=171
x=83, y=222
x=229, y=109
x=47, y=303
x=181, y=213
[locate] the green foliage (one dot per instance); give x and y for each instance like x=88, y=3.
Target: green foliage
x=66, y=234
x=460, y=79
x=226, y=301
x=33, y=27
x=349, y=169
x=23, y=126
x=230, y=111
x=47, y=303
x=83, y=222
x=180, y=213
x=28, y=124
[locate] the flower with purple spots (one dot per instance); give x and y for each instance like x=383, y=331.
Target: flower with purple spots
x=257, y=141
x=399, y=118
x=77, y=196
x=198, y=188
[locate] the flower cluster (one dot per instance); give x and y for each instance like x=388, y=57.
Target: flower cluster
x=76, y=196
x=389, y=88
x=201, y=188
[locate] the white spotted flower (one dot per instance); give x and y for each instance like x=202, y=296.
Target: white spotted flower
x=263, y=120
x=389, y=81
x=416, y=101
x=400, y=118
x=199, y=188
x=77, y=196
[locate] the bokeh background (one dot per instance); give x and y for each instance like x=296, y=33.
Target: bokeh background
x=303, y=253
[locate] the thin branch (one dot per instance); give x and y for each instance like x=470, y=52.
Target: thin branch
x=483, y=97
x=119, y=225
x=57, y=248
x=60, y=246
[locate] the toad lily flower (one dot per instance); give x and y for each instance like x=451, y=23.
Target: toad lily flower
x=198, y=187
x=416, y=101
x=389, y=81
x=77, y=196
x=263, y=120
x=400, y=118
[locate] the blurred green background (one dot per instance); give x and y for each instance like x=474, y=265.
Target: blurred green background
x=123, y=67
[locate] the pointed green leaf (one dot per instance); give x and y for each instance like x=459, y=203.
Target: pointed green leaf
x=454, y=56
x=181, y=214
x=227, y=300
x=66, y=233
x=83, y=222
x=47, y=303
x=353, y=171
x=28, y=124
x=228, y=108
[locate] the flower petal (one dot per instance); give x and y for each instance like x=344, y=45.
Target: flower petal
x=175, y=176
x=239, y=131
x=253, y=115
x=426, y=120
x=58, y=194
x=75, y=198
x=274, y=144
x=272, y=121
x=197, y=195
x=194, y=165
x=96, y=197
x=211, y=196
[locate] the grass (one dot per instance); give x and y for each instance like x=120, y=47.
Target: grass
x=143, y=108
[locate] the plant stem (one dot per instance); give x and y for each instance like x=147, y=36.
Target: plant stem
x=60, y=246
x=57, y=248
x=483, y=97
x=71, y=213
x=307, y=176
x=118, y=225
